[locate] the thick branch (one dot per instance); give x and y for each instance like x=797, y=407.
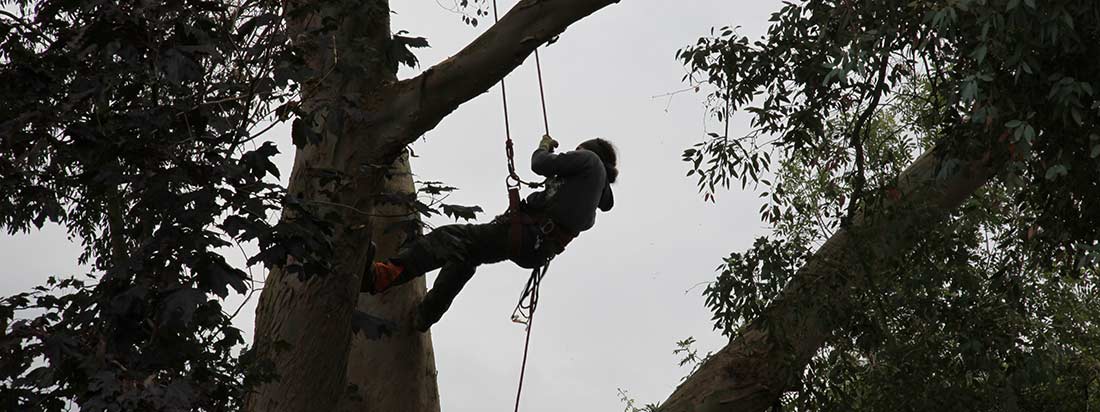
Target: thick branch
x=769, y=354
x=421, y=102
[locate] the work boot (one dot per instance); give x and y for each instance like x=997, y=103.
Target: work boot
x=380, y=276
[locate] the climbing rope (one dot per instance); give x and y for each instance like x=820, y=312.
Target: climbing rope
x=524, y=313
x=542, y=93
x=513, y=180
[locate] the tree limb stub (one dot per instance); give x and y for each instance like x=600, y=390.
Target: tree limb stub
x=768, y=355
x=420, y=103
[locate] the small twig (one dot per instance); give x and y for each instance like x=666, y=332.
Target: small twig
x=251, y=292
x=340, y=205
x=241, y=97
x=356, y=210
x=693, y=287
x=115, y=225
x=672, y=94
x=261, y=132
x=860, y=178
x=30, y=28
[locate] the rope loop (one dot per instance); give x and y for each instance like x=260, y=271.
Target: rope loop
x=525, y=314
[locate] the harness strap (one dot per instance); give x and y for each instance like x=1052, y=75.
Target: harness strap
x=550, y=231
x=515, y=232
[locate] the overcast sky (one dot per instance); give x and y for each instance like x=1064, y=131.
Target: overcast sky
x=615, y=303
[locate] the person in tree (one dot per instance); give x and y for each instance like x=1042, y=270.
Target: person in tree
x=578, y=182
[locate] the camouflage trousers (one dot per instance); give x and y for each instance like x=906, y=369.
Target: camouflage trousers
x=457, y=250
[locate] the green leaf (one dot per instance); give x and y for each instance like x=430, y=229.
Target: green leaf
x=1029, y=133
x=969, y=91
x=302, y=133
x=1056, y=171
x=980, y=52
x=461, y=212
x=181, y=305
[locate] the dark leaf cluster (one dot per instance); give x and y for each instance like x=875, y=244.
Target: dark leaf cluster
x=134, y=126
x=992, y=309
x=428, y=201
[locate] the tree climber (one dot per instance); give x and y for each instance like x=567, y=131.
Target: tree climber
x=578, y=182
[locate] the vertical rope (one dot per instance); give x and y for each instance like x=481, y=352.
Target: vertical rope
x=513, y=178
x=532, y=290
x=508, y=151
x=542, y=94
x=523, y=366
x=533, y=301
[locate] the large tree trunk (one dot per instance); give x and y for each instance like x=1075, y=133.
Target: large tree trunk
x=769, y=354
x=397, y=373
x=304, y=328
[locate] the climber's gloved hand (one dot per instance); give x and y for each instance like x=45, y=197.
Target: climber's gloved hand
x=548, y=143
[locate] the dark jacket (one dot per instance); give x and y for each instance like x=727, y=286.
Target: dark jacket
x=577, y=185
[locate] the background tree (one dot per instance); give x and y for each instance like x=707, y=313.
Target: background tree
x=967, y=323
x=966, y=308
x=131, y=125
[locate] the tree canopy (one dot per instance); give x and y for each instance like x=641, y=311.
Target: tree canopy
x=991, y=309
x=140, y=128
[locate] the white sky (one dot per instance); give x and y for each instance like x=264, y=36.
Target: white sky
x=615, y=303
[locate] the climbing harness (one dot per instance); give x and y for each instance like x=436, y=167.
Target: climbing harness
x=525, y=311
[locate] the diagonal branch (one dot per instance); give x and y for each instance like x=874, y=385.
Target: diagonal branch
x=418, y=104
x=769, y=354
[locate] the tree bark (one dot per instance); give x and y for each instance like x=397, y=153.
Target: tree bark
x=397, y=373
x=304, y=328
x=769, y=354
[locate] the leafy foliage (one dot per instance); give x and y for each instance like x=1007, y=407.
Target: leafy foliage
x=139, y=127
x=689, y=357
x=428, y=201
x=686, y=348
x=470, y=10
x=749, y=281
x=399, y=50
x=130, y=124
x=991, y=311
x=631, y=405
